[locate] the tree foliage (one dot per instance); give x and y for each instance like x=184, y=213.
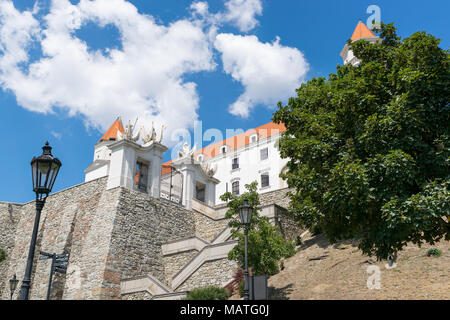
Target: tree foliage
x=369, y=147
x=266, y=245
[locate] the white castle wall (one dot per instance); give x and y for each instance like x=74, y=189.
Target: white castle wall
x=251, y=167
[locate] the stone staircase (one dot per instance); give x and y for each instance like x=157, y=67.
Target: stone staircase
x=206, y=251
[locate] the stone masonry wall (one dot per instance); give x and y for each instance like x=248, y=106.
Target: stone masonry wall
x=111, y=235
x=77, y=221
x=288, y=226
x=174, y=262
x=9, y=217
x=208, y=229
x=279, y=197
x=141, y=295
x=141, y=226
x=212, y=273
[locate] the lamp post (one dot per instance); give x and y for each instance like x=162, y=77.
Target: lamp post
x=13, y=285
x=44, y=170
x=245, y=214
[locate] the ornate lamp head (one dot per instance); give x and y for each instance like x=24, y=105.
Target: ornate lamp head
x=44, y=170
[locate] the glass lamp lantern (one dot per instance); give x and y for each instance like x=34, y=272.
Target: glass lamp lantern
x=245, y=213
x=44, y=169
x=13, y=285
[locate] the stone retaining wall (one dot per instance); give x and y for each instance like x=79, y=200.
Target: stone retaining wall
x=212, y=273
x=141, y=226
x=279, y=197
x=74, y=221
x=113, y=235
x=109, y=234
x=208, y=229
x=9, y=217
x=288, y=226
x=174, y=262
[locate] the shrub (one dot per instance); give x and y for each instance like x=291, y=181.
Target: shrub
x=316, y=230
x=434, y=252
x=3, y=255
x=208, y=293
x=233, y=286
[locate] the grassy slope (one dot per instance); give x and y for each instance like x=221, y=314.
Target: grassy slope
x=323, y=271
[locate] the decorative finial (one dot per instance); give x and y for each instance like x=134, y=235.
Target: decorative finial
x=47, y=149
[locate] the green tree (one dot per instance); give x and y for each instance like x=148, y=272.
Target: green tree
x=369, y=147
x=266, y=245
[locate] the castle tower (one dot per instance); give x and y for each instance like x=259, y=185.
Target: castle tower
x=102, y=154
x=362, y=32
x=126, y=163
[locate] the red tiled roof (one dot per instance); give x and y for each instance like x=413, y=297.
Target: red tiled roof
x=265, y=131
x=111, y=133
x=362, y=31
x=165, y=168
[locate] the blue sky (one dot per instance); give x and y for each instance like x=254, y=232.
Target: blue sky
x=231, y=54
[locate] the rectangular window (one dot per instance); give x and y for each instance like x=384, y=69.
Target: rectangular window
x=264, y=180
x=141, y=176
x=235, y=188
x=235, y=163
x=264, y=153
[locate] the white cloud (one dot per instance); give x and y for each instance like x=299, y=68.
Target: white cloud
x=269, y=72
x=16, y=31
x=142, y=79
x=145, y=77
x=200, y=7
x=57, y=135
x=242, y=13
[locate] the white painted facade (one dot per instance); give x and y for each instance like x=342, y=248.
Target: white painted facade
x=128, y=164
x=250, y=167
x=196, y=183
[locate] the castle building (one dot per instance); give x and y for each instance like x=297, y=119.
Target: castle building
x=125, y=239
x=239, y=160
x=140, y=229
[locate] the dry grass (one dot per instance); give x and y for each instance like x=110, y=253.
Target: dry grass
x=331, y=272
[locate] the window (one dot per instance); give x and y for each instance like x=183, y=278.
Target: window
x=253, y=138
x=141, y=177
x=235, y=188
x=264, y=180
x=264, y=153
x=235, y=164
x=223, y=149
x=200, y=192
x=200, y=158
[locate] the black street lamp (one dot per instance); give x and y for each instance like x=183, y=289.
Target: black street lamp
x=13, y=285
x=245, y=214
x=44, y=170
